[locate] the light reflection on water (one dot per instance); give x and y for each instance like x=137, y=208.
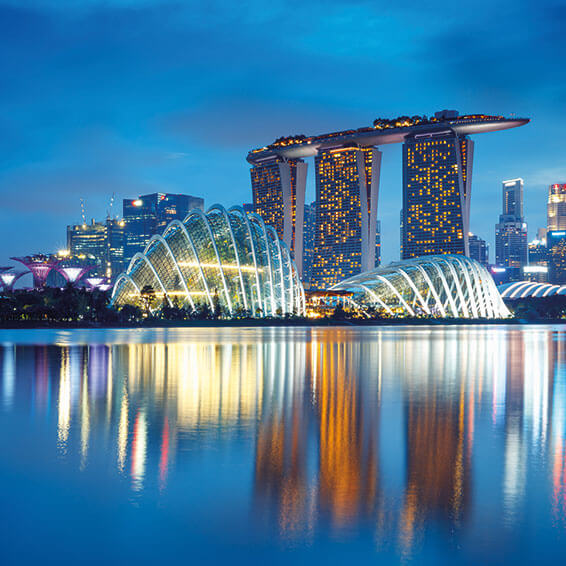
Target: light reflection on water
x=394, y=441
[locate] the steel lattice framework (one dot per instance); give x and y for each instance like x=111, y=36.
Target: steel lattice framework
x=435, y=285
x=225, y=253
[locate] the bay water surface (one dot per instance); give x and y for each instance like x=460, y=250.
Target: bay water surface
x=426, y=445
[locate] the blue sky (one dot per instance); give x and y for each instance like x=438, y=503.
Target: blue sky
x=129, y=97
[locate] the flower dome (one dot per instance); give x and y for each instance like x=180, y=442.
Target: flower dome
x=435, y=285
x=227, y=254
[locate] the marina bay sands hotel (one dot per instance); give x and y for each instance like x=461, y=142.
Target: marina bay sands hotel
x=437, y=177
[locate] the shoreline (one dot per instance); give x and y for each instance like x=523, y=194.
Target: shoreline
x=34, y=325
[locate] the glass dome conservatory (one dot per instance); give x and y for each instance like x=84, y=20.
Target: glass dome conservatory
x=223, y=253
x=435, y=285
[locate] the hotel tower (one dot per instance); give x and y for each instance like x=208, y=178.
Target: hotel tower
x=347, y=185
x=278, y=202
x=437, y=175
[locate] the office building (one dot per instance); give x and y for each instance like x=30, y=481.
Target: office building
x=149, y=215
x=308, y=248
x=346, y=214
x=100, y=242
x=556, y=207
x=436, y=190
x=278, y=187
x=556, y=244
x=479, y=249
x=511, y=230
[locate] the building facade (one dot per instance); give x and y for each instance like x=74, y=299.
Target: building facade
x=479, y=249
x=149, y=215
x=511, y=231
x=556, y=207
x=346, y=216
x=101, y=242
x=436, y=194
x=278, y=187
x=308, y=238
x=556, y=245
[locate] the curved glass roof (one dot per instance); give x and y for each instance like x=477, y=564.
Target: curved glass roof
x=223, y=253
x=435, y=285
x=523, y=289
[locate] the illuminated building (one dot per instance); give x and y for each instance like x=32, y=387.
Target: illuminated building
x=437, y=180
x=149, y=215
x=556, y=207
x=308, y=251
x=511, y=230
x=479, y=249
x=528, y=289
x=103, y=242
x=436, y=194
x=537, y=269
x=40, y=266
x=346, y=214
x=228, y=256
x=440, y=286
x=556, y=245
x=278, y=187
x=378, y=244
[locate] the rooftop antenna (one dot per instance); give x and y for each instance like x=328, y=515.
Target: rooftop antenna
x=83, y=211
x=109, y=211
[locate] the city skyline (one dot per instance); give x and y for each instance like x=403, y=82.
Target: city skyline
x=178, y=120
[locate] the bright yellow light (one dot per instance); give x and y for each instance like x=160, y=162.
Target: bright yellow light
x=137, y=202
x=218, y=266
x=63, y=253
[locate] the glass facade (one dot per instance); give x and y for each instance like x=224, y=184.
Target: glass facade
x=149, y=215
x=230, y=255
x=436, y=194
x=440, y=286
x=556, y=208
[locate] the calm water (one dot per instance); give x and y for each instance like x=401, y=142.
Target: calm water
x=193, y=446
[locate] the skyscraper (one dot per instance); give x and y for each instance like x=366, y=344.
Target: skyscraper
x=278, y=187
x=346, y=215
x=436, y=194
x=556, y=244
x=309, y=232
x=149, y=215
x=556, y=208
x=479, y=249
x=103, y=242
x=511, y=230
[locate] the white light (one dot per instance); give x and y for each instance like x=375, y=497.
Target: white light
x=535, y=269
x=498, y=270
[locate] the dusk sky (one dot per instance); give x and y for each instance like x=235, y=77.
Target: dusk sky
x=131, y=97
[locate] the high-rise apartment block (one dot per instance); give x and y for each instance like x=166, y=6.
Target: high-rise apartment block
x=511, y=230
x=346, y=214
x=436, y=194
x=149, y=215
x=479, y=249
x=278, y=187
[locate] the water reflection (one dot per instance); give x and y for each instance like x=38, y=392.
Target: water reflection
x=390, y=430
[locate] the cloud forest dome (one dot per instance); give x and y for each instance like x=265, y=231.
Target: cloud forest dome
x=225, y=253
x=436, y=285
